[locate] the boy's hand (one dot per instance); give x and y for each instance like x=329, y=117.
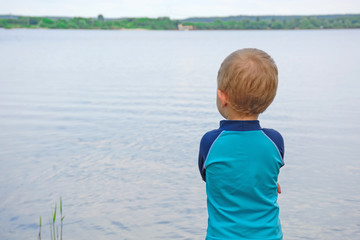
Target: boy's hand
x=278, y=188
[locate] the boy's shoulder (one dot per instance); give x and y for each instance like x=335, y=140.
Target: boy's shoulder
x=276, y=138
x=209, y=137
x=227, y=125
x=273, y=135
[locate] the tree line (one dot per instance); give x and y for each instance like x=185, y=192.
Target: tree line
x=165, y=23
x=298, y=22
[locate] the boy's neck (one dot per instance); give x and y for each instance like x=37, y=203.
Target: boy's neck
x=234, y=115
x=242, y=118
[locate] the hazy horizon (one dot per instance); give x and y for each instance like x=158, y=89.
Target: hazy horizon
x=223, y=16
x=178, y=9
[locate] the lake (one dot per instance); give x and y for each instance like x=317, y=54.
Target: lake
x=111, y=122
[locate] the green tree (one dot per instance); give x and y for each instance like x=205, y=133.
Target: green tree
x=276, y=25
x=62, y=24
x=47, y=23
x=100, y=18
x=33, y=21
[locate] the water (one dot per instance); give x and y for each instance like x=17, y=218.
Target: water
x=111, y=121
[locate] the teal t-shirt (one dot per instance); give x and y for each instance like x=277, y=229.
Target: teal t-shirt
x=240, y=163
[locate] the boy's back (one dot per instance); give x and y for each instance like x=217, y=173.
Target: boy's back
x=242, y=162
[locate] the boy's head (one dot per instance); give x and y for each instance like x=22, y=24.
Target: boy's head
x=249, y=77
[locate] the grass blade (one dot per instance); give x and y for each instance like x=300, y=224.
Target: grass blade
x=60, y=206
x=54, y=214
x=54, y=219
x=54, y=228
x=62, y=218
x=40, y=229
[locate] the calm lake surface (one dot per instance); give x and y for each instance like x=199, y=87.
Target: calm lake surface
x=111, y=121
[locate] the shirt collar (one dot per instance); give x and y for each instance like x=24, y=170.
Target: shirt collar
x=239, y=125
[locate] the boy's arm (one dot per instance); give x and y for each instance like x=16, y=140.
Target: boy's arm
x=201, y=164
x=203, y=151
x=205, y=144
x=278, y=140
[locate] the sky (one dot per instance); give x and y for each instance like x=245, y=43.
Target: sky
x=176, y=9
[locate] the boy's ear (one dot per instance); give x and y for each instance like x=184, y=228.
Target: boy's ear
x=223, y=97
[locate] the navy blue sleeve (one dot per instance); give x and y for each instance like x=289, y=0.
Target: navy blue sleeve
x=205, y=145
x=276, y=137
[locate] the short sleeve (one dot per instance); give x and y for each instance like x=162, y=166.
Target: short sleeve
x=278, y=140
x=205, y=145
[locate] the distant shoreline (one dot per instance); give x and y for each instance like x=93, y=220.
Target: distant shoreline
x=346, y=21
x=174, y=30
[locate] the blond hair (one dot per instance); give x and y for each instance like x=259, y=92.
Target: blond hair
x=250, y=77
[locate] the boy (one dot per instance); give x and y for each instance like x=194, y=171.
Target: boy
x=240, y=161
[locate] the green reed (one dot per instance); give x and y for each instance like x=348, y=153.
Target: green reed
x=54, y=227
x=40, y=229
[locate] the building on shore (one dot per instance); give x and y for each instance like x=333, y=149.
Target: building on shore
x=185, y=28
